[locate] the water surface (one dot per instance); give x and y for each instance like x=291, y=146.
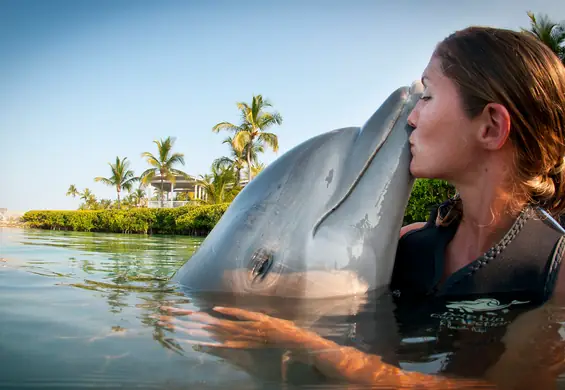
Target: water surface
x=77, y=311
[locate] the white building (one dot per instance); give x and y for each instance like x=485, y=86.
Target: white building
x=181, y=184
x=189, y=185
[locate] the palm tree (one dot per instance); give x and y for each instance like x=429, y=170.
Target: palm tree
x=72, y=191
x=237, y=158
x=219, y=186
x=138, y=197
x=90, y=201
x=122, y=177
x=86, y=195
x=105, y=204
x=549, y=32
x=158, y=194
x=163, y=164
x=252, y=130
x=257, y=168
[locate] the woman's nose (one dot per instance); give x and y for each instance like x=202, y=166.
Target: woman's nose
x=413, y=117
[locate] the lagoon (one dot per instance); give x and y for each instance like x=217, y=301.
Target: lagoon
x=76, y=311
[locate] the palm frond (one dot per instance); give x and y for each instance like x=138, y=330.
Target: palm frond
x=151, y=159
x=241, y=140
x=164, y=148
x=180, y=173
x=270, y=139
x=128, y=175
x=243, y=107
x=175, y=158
x=550, y=33
x=228, y=140
x=148, y=175
x=104, y=180
x=128, y=184
x=222, y=162
x=256, y=108
x=225, y=126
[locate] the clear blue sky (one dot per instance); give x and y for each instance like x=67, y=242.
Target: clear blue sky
x=84, y=81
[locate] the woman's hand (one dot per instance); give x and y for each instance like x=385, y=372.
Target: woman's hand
x=250, y=330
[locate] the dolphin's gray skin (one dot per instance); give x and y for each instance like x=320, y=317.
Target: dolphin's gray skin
x=321, y=221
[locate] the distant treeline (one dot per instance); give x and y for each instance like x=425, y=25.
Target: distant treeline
x=197, y=220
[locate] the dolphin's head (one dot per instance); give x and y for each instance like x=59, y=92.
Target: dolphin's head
x=320, y=221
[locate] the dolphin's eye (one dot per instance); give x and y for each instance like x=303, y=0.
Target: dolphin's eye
x=260, y=264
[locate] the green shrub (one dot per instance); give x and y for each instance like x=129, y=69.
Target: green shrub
x=81, y=220
x=201, y=219
x=426, y=193
x=194, y=220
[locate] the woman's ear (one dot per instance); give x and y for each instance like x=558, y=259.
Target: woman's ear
x=495, y=126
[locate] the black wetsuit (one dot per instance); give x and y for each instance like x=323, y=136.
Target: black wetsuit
x=465, y=316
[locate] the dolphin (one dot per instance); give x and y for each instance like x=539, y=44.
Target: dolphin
x=321, y=221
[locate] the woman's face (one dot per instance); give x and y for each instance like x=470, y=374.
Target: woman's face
x=443, y=142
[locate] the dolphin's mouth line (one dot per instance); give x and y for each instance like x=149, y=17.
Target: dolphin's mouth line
x=363, y=170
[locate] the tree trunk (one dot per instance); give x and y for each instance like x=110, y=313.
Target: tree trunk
x=118, y=199
x=249, y=164
x=162, y=192
x=238, y=176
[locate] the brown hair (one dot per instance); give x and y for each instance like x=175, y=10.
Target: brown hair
x=515, y=69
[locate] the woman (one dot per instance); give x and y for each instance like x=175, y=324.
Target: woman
x=491, y=121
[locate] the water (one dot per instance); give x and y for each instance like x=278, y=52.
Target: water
x=76, y=311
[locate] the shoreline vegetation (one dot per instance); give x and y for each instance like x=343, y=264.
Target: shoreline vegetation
x=247, y=140
x=192, y=220
x=195, y=220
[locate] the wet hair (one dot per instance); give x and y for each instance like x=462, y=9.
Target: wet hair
x=518, y=71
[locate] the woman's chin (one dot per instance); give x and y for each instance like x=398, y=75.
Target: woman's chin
x=419, y=172
x=416, y=171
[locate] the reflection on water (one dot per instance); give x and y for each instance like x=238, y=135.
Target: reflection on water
x=77, y=310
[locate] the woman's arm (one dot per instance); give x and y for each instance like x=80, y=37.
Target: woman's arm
x=356, y=367
x=534, y=353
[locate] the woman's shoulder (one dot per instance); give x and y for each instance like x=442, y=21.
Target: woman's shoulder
x=557, y=257
x=411, y=227
x=437, y=217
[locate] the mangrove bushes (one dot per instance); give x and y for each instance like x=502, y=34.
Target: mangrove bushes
x=187, y=220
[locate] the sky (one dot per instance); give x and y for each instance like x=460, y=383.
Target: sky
x=85, y=81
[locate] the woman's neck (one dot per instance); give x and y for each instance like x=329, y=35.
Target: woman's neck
x=486, y=218
x=488, y=213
